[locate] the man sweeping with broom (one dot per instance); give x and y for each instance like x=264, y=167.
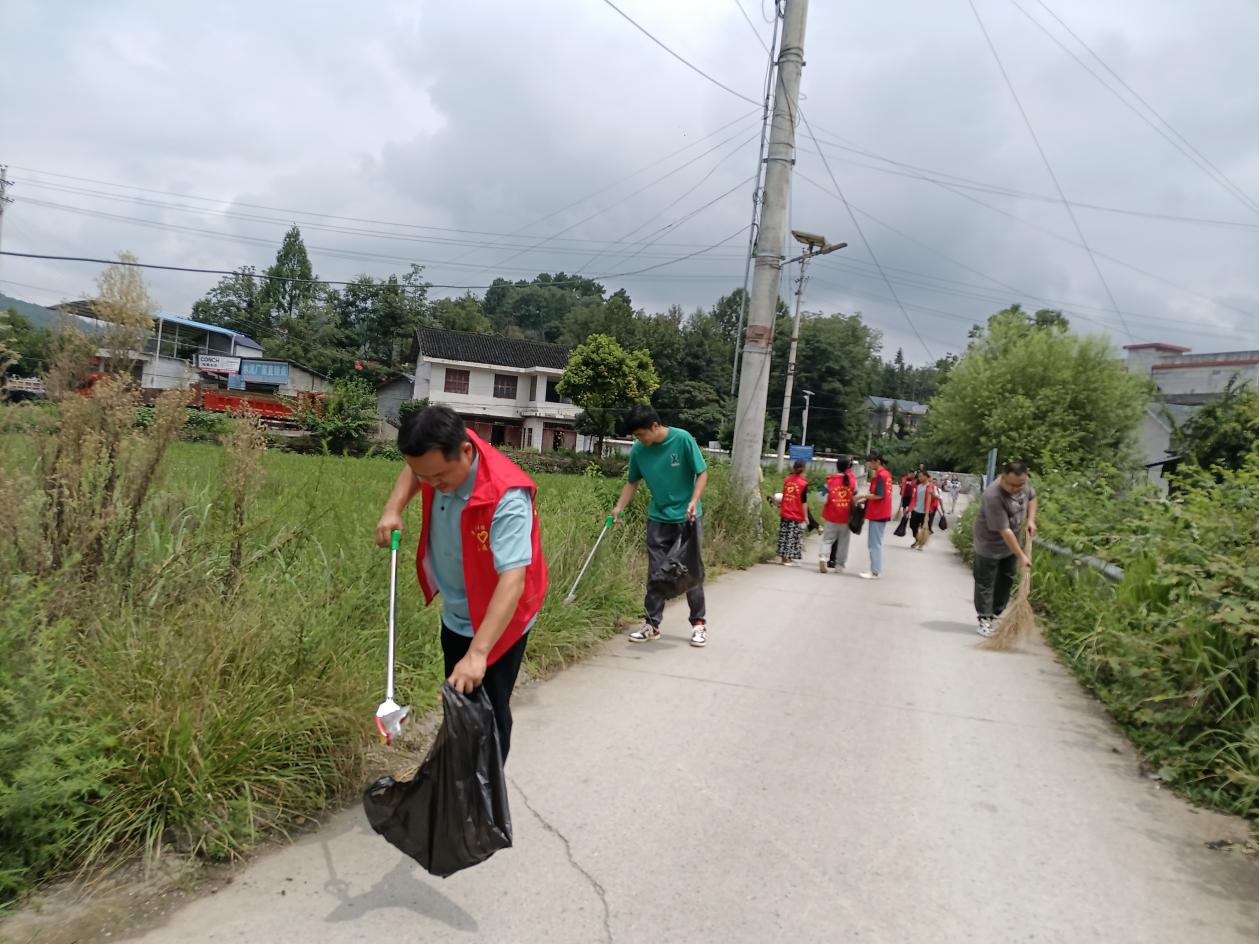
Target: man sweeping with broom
x=1004, y=507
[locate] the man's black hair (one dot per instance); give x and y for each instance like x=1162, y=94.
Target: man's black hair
x=434, y=427
x=875, y=457
x=640, y=416
x=798, y=466
x=1017, y=467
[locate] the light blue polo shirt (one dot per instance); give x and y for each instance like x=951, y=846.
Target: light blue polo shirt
x=511, y=542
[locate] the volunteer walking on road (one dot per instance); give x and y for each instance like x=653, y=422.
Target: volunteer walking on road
x=670, y=461
x=791, y=515
x=1004, y=507
x=878, y=501
x=480, y=548
x=925, y=503
x=841, y=490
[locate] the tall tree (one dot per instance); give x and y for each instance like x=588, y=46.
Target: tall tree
x=1223, y=433
x=460, y=314
x=290, y=285
x=237, y=303
x=603, y=379
x=1037, y=393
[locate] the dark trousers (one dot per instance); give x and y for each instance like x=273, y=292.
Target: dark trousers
x=916, y=518
x=500, y=679
x=994, y=579
x=660, y=538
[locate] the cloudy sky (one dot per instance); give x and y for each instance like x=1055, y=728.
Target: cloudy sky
x=485, y=138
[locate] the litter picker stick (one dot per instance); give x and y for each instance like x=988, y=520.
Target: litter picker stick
x=591, y=556
x=389, y=716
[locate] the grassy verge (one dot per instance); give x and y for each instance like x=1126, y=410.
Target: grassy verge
x=192, y=637
x=1172, y=651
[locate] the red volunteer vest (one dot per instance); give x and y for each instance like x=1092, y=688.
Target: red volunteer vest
x=880, y=509
x=495, y=474
x=792, y=508
x=933, y=498
x=840, y=490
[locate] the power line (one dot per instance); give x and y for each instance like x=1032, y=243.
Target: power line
x=1048, y=166
x=1182, y=145
x=281, y=278
x=752, y=26
x=690, y=65
x=915, y=172
x=289, y=211
x=669, y=206
x=866, y=242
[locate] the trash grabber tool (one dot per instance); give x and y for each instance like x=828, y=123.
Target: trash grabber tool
x=390, y=716
x=572, y=593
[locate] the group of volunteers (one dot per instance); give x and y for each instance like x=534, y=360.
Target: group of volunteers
x=480, y=542
x=1007, y=509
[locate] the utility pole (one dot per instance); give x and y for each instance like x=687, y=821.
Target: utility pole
x=815, y=246
x=789, y=386
x=749, y=425
x=804, y=423
x=5, y=199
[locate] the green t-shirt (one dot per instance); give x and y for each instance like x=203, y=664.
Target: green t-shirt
x=669, y=467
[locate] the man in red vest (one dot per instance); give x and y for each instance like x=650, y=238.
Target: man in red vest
x=480, y=547
x=878, y=502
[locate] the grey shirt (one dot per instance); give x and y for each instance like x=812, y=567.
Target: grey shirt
x=999, y=510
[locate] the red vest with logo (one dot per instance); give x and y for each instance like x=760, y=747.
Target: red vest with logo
x=495, y=474
x=932, y=501
x=792, y=507
x=880, y=509
x=839, y=492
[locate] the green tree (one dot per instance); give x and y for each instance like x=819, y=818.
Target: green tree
x=237, y=302
x=539, y=308
x=460, y=314
x=28, y=346
x=345, y=417
x=1224, y=433
x=379, y=316
x=1037, y=393
x=837, y=360
x=603, y=378
x=290, y=286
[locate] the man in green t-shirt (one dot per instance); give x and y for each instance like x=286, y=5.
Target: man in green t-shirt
x=669, y=460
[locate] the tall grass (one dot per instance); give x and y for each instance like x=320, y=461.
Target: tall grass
x=192, y=637
x=1172, y=650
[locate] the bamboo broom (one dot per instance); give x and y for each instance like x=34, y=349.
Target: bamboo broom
x=1019, y=620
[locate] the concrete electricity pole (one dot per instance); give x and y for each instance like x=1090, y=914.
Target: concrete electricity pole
x=749, y=424
x=815, y=246
x=5, y=199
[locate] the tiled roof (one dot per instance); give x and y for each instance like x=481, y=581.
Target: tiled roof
x=489, y=349
x=903, y=406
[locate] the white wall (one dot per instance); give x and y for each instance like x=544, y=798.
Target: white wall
x=1203, y=380
x=430, y=378
x=165, y=373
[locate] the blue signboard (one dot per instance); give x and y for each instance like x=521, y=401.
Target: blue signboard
x=265, y=372
x=234, y=382
x=800, y=453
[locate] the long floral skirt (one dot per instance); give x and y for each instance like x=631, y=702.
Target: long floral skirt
x=790, y=539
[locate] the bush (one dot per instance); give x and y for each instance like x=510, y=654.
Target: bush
x=570, y=463
x=1173, y=649
x=345, y=417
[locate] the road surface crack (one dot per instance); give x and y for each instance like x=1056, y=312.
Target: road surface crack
x=568, y=851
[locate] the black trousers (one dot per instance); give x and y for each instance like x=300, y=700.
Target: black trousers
x=500, y=678
x=994, y=579
x=660, y=538
x=916, y=518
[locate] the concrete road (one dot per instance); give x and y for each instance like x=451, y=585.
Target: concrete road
x=840, y=764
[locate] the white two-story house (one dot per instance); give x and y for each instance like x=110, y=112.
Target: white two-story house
x=503, y=388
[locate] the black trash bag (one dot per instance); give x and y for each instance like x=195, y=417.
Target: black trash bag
x=453, y=814
x=813, y=524
x=682, y=568
x=856, y=517
x=903, y=527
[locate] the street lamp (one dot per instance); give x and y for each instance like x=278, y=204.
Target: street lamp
x=815, y=245
x=804, y=431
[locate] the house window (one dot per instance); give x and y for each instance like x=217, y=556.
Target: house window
x=456, y=380
x=505, y=386
x=528, y=437
x=552, y=394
